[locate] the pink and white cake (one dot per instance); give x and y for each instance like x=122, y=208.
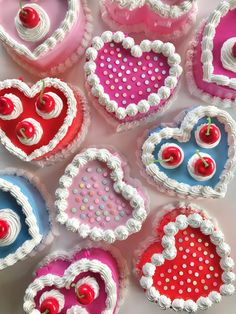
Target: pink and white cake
x=186, y=264
x=163, y=19
x=96, y=197
x=45, y=37
x=42, y=123
x=211, y=58
x=131, y=83
x=89, y=280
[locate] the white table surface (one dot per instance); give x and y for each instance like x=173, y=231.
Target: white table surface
x=14, y=281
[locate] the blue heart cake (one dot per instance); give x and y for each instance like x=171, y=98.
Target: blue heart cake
x=25, y=223
x=195, y=157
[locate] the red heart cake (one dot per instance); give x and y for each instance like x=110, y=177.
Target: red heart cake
x=44, y=122
x=186, y=264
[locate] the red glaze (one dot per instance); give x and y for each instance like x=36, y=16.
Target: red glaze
x=29, y=17
x=25, y=127
x=234, y=50
x=4, y=228
x=6, y=106
x=212, y=137
x=50, y=306
x=174, y=153
x=47, y=105
x=201, y=169
x=85, y=294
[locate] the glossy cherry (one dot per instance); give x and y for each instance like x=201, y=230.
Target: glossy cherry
x=25, y=129
x=4, y=228
x=172, y=155
x=50, y=306
x=234, y=50
x=209, y=135
x=46, y=103
x=204, y=166
x=6, y=106
x=29, y=17
x=85, y=294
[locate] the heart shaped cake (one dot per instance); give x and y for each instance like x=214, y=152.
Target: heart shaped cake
x=45, y=37
x=90, y=280
x=25, y=223
x=186, y=264
x=131, y=83
x=211, y=58
x=195, y=157
x=165, y=19
x=42, y=123
x=96, y=197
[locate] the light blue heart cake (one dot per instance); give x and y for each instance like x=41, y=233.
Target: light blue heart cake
x=25, y=223
x=195, y=157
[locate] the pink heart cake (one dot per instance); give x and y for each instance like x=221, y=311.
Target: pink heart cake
x=45, y=37
x=195, y=157
x=90, y=280
x=96, y=197
x=42, y=123
x=185, y=265
x=211, y=58
x=165, y=19
x=131, y=83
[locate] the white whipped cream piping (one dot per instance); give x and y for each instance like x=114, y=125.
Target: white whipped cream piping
x=201, y=143
x=91, y=282
x=17, y=108
x=37, y=136
x=76, y=309
x=38, y=32
x=227, y=58
x=191, y=170
x=53, y=294
x=13, y=221
x=164, y=164
x=56, y=111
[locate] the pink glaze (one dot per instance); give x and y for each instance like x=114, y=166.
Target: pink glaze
x=224, y=31
x=56, y=10
x=58, y=267
x=93, y=201
x=152, y=22
x=127, y=79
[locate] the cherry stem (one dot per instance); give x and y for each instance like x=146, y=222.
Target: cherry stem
x=21, y=8
x=209, y=126
x=163, y=160
x=203, y=160
x=41, y=93
x=22, y=132
x=46, y=312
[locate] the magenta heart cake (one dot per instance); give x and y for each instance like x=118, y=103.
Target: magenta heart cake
x=194, y=157
x=90, y=280
x=96, y=197
x=166, y=19
x=131, y=83
x=185, y=265
x=42, y=123
x=45, y=37
x=211, y=59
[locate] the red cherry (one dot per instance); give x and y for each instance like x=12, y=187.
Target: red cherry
x=85, y=294
x=50, y=306
x=25, y=129
x=29, y=17
x=234, y=50
x=6, y=106
x=202, y=169
x=46, y=104
x=214, y=134
x=174, y=155
x=4, y=228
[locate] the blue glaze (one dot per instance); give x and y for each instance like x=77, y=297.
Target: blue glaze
x=39, y=209
x=219, y=153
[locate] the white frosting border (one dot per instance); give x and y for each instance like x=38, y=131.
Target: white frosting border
x=31, y=92
x=208, y=227
x=173, y=187
x=157, y=46
x=137, y=202
x=207, y=46
x=121, y=264
x=58, y=36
